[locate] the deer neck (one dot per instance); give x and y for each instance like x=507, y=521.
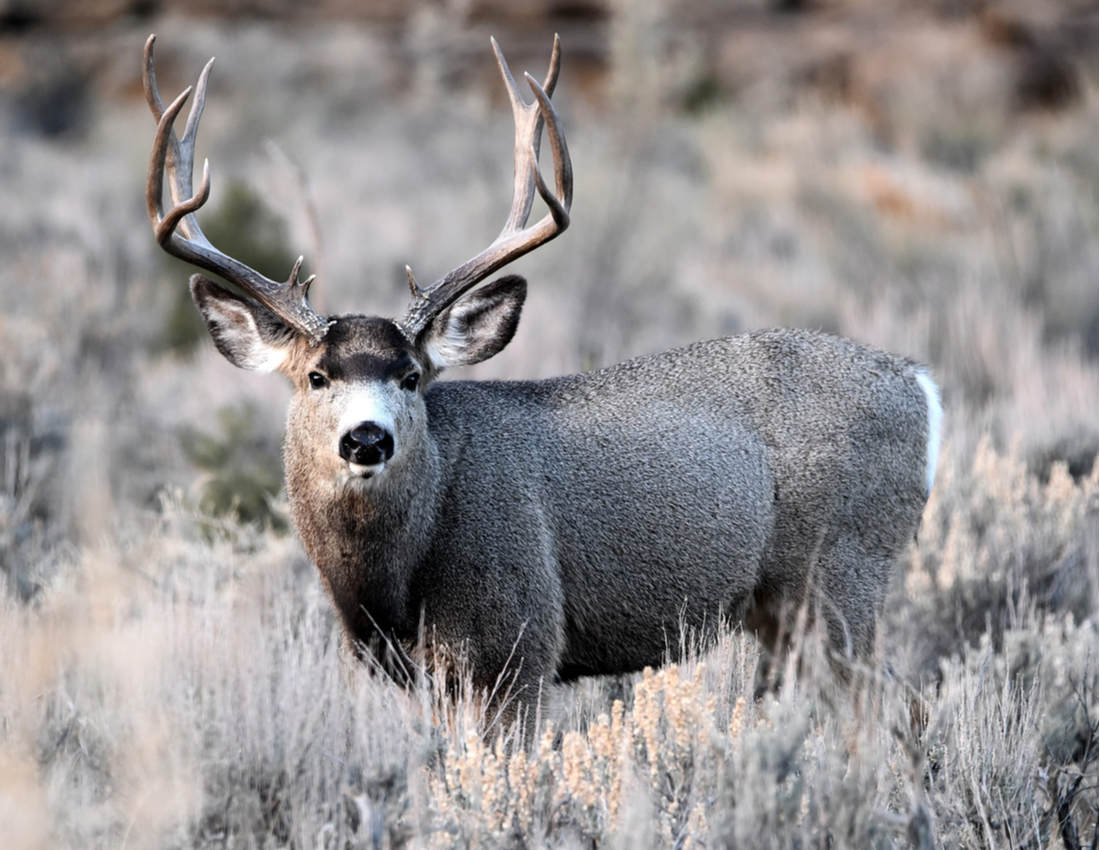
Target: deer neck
x=366, y=538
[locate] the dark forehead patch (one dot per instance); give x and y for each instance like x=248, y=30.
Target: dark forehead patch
x=364, y=347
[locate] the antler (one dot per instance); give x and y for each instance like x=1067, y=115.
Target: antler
x=515, y=239
x=178, y=232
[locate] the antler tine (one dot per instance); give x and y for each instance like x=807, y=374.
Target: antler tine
x=149, y=79
x=178, y=232
x=563, y=171
x=515, y=239
x=527, y=136
x=164, y=226
x=180, y=157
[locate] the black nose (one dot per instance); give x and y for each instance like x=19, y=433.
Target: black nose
x=366, y=444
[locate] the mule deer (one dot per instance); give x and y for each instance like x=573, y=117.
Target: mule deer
x=574, y=526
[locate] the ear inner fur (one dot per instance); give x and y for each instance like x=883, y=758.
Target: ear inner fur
x=244, y=332
x=476, y=327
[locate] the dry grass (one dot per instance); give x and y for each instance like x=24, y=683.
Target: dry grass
x=170, y=673
x=183, y=686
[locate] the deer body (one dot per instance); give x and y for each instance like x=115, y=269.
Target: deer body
x=579, y=525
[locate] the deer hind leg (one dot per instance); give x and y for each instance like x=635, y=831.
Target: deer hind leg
x=774, y=619
x=834, y=611
x=849, y=596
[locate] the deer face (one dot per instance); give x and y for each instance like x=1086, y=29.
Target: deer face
x=358, y=409
x=358, y=406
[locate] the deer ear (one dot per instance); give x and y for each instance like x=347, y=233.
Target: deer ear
x=476, y=326
x=247, y=334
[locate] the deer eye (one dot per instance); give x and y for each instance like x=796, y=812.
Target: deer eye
x=411, y=381
x=317, y=380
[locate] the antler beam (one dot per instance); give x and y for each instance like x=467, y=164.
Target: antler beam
x=177, y=231
x=515, y=239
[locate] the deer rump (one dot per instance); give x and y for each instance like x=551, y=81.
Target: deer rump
x=584, y=524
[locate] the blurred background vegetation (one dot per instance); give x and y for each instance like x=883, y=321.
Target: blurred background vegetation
x=921, y=175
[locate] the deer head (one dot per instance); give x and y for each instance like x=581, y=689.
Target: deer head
x=358, y=380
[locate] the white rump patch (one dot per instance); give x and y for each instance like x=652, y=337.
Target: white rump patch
x=935, y=418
